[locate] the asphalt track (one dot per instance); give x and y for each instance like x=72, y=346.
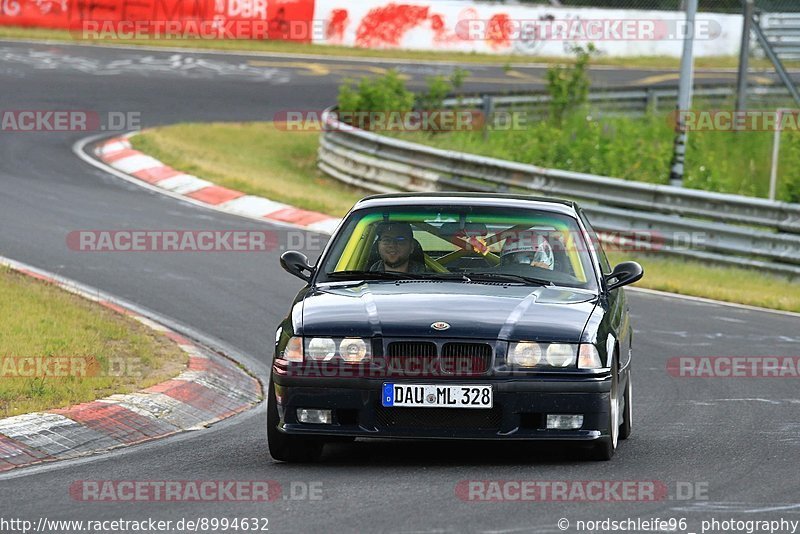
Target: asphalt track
x=739, y=438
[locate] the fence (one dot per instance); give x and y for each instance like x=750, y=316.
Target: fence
x=634, y=102
x=783, y=32
x=735, y=230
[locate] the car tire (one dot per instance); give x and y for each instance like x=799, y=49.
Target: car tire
x=606, y=446
x=284, y=447
x=626, y=427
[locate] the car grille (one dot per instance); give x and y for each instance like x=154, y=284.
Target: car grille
x=434, y=418
x=411, y=359
x=466, y=359
x=422, y=359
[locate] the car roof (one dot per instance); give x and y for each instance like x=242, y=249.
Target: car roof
x=469, y=199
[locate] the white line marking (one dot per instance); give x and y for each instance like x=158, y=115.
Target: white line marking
x=184, y=184
x=136, y=163
x=252, y=206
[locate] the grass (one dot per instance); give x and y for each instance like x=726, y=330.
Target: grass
x=43, y=321
x=256, y=158
x=728, y=284
x=283, y=47
x=281, y=166
x=640, y=149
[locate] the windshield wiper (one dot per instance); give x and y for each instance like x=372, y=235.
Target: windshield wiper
x=370, y=275
x=511, y=277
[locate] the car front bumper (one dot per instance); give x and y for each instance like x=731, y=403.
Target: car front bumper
x=519, y=412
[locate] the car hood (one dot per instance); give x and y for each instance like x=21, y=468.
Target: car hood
x=473, y=310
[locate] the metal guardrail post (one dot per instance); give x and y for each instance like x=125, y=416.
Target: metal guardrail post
x=684, y=96
x=776, y=61
x=744, y=56
x=652, y=101
x=488, y=112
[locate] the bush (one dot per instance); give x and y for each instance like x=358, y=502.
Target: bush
x=384, y=93
x=640, y=149
x=569, y=85
x=388, y=93
x=439, y=87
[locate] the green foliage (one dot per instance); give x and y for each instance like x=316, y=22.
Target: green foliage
x=569, y=85
x=383, y=93
x=789, y=168
x=458, y=78
x=389, y=93
x=640, y=149
x=438, y=89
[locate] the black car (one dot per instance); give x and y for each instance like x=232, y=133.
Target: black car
x=456, y=316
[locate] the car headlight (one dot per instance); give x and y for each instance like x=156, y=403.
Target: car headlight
x=561, y=355
x=353, y=350
x=350, y=349
x=321, y=348
x=554, y=355
x=525, y=354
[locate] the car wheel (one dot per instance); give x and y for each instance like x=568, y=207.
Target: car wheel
x=626, y=427
x=286, y=448
x=606, y=447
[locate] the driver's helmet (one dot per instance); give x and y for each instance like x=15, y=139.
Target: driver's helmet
x=528, y=248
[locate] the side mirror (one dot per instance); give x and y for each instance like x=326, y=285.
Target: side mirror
x=624, y=274
x=296, y=263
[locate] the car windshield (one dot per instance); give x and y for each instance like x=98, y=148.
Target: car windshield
x=491, y=244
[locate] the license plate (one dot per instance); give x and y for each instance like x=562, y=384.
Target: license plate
x=436, y=396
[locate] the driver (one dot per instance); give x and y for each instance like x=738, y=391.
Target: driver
x=528, y=248
x=395, y=246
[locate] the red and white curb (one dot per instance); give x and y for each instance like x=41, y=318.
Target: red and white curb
x=119, y=154
x=210, y=389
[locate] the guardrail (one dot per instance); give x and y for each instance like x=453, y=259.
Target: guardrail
x=634, y=102
x=713, y=227
x=783, y=32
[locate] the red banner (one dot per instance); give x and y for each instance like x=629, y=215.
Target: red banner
x=167, y=19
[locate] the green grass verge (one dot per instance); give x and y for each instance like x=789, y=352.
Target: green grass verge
x=262, y=160
x=656, y=62
x=640, y=149
x=256, y=158
x=42, y=321
x=728, y=284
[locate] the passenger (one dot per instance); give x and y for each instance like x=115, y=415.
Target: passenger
x=528, y=248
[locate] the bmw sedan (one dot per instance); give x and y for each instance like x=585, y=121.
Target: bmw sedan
x=455, y=316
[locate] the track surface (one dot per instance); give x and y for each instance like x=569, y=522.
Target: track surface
x=741, y=438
